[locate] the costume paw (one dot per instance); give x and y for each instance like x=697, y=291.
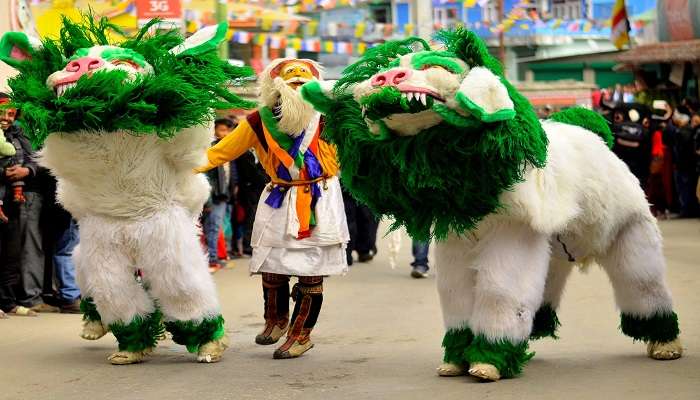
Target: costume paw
x=483, y=95
x=93, y=330
x=128, y=357
x=666, y=350
x=486, y=372
x=213, y=351
x=450, y=369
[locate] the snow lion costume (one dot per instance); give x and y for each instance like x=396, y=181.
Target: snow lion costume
x=442, y=143
x=122, y=128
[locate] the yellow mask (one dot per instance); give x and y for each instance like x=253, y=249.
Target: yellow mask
x=296, y=73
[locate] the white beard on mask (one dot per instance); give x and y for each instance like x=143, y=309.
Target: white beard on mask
x=295, y=113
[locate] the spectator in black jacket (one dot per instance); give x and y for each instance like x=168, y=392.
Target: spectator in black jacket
x=251, y=182
x=21, y=251
x=685, y=160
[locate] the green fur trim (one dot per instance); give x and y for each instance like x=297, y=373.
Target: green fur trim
x=469, y=105
x=123, y=54
x=446, y=178
x=140, y=334
x=455, y=342
x=545, y=323
x=193, y=334
x=661, y=327
x=452, y=117
x=586, y=119
x=313, y=93
x=444, y=59
x=470, y=48
x=89, y=310
x=210, y=44
x=183, y=90
x=10, y=40
x=509, y=358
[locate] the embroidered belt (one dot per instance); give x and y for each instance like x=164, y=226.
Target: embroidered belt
x=300, y=182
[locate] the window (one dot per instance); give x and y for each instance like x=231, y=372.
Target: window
x=446, y=17
x=567, y=9
x=490, y=12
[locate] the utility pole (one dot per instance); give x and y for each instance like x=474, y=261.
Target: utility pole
x=423, y=17
x=501, y=35
x=222, y=16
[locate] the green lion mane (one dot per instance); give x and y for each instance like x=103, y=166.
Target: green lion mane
x=448, y=177
x=182, y=91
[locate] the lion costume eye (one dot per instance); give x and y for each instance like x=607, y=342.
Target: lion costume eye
x=127, y=63
x=428, y=66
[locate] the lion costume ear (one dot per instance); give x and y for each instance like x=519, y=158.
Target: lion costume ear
x=202, y=41
x=319, y=94
x=17, y=47
x=484, y=95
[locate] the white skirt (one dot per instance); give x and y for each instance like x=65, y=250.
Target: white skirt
x=276, y=248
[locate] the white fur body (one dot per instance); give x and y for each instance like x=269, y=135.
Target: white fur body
x=120, y=175
x=137, y=199
x=584, y=199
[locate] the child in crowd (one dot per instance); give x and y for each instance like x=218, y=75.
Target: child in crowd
x=7, y=150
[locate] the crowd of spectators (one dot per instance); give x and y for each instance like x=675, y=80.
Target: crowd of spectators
x=660, y=142
x=37, y=236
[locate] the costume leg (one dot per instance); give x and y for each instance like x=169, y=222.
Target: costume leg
x=511, y=263
x=178, y=279
x=455, y=282
x=636, y=267
x=546, y=321
x=276, y=296
x=308, y=297
x=104, y=270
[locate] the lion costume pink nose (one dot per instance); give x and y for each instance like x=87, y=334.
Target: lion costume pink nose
x=80, y=67
x=392, y=77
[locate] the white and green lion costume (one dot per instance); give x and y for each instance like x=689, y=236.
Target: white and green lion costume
x=439, y=141
x=123, y=127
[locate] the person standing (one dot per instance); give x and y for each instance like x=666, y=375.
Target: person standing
x=685, y=163
x=300, y=227
x=22, y=236
x=220, y=179
x=363, y=226
x=252, y=180
x=10, y=262
x=420, y=259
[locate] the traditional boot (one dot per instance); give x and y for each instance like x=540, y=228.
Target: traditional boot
x=308, y=296
x=276, y=295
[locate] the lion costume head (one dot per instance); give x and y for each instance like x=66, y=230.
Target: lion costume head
x=146, y=84
x=429, y=137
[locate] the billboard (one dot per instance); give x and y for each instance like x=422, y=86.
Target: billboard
x=170, y=11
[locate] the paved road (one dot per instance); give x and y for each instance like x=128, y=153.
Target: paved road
x=378, y=338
